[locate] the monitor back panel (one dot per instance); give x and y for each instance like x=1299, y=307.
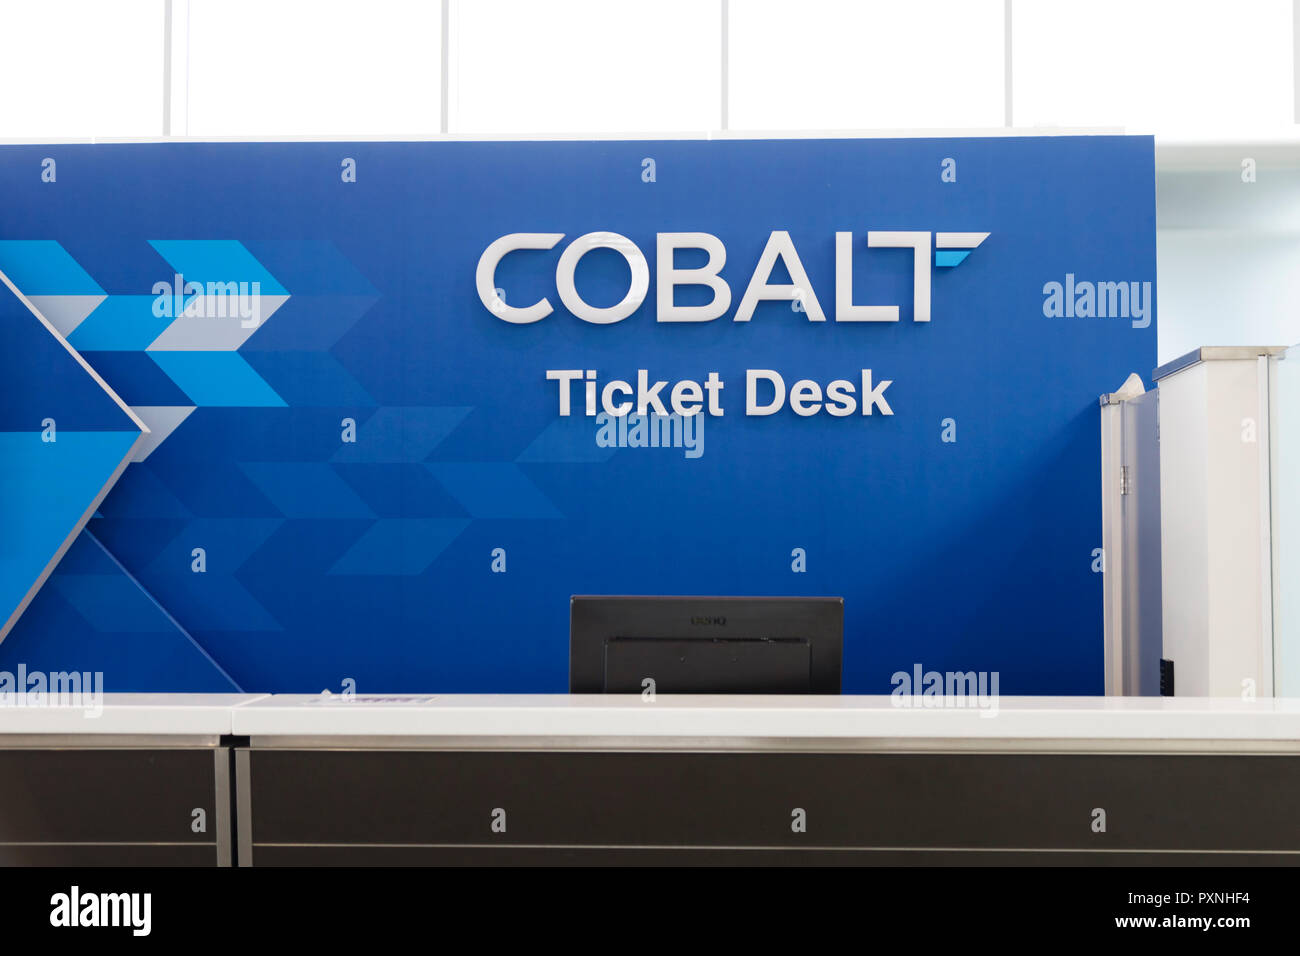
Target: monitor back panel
x=706, y=644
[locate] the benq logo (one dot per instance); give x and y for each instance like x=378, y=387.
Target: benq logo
x=709, y=621
x=950, y=249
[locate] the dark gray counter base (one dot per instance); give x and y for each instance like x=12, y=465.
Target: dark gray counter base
x=82, y=805
x=394, y=807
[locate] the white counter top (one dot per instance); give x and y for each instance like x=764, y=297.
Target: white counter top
x=844, y=718
x=471, y=718
x=127, y=714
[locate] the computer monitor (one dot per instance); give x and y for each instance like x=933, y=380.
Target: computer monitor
x=705, y=645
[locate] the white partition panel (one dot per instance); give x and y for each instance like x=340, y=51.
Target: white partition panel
x=1286, y=523
x=1215, y=521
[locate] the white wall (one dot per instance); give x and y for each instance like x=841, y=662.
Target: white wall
x=1228, y=250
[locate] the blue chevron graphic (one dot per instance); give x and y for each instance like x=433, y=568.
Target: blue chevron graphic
x=64, y=440
x=216, y=260
x=136, y=643
x=43, y=267
x=207, y=374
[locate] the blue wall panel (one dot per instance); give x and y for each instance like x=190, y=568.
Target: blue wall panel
x=326, y=560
